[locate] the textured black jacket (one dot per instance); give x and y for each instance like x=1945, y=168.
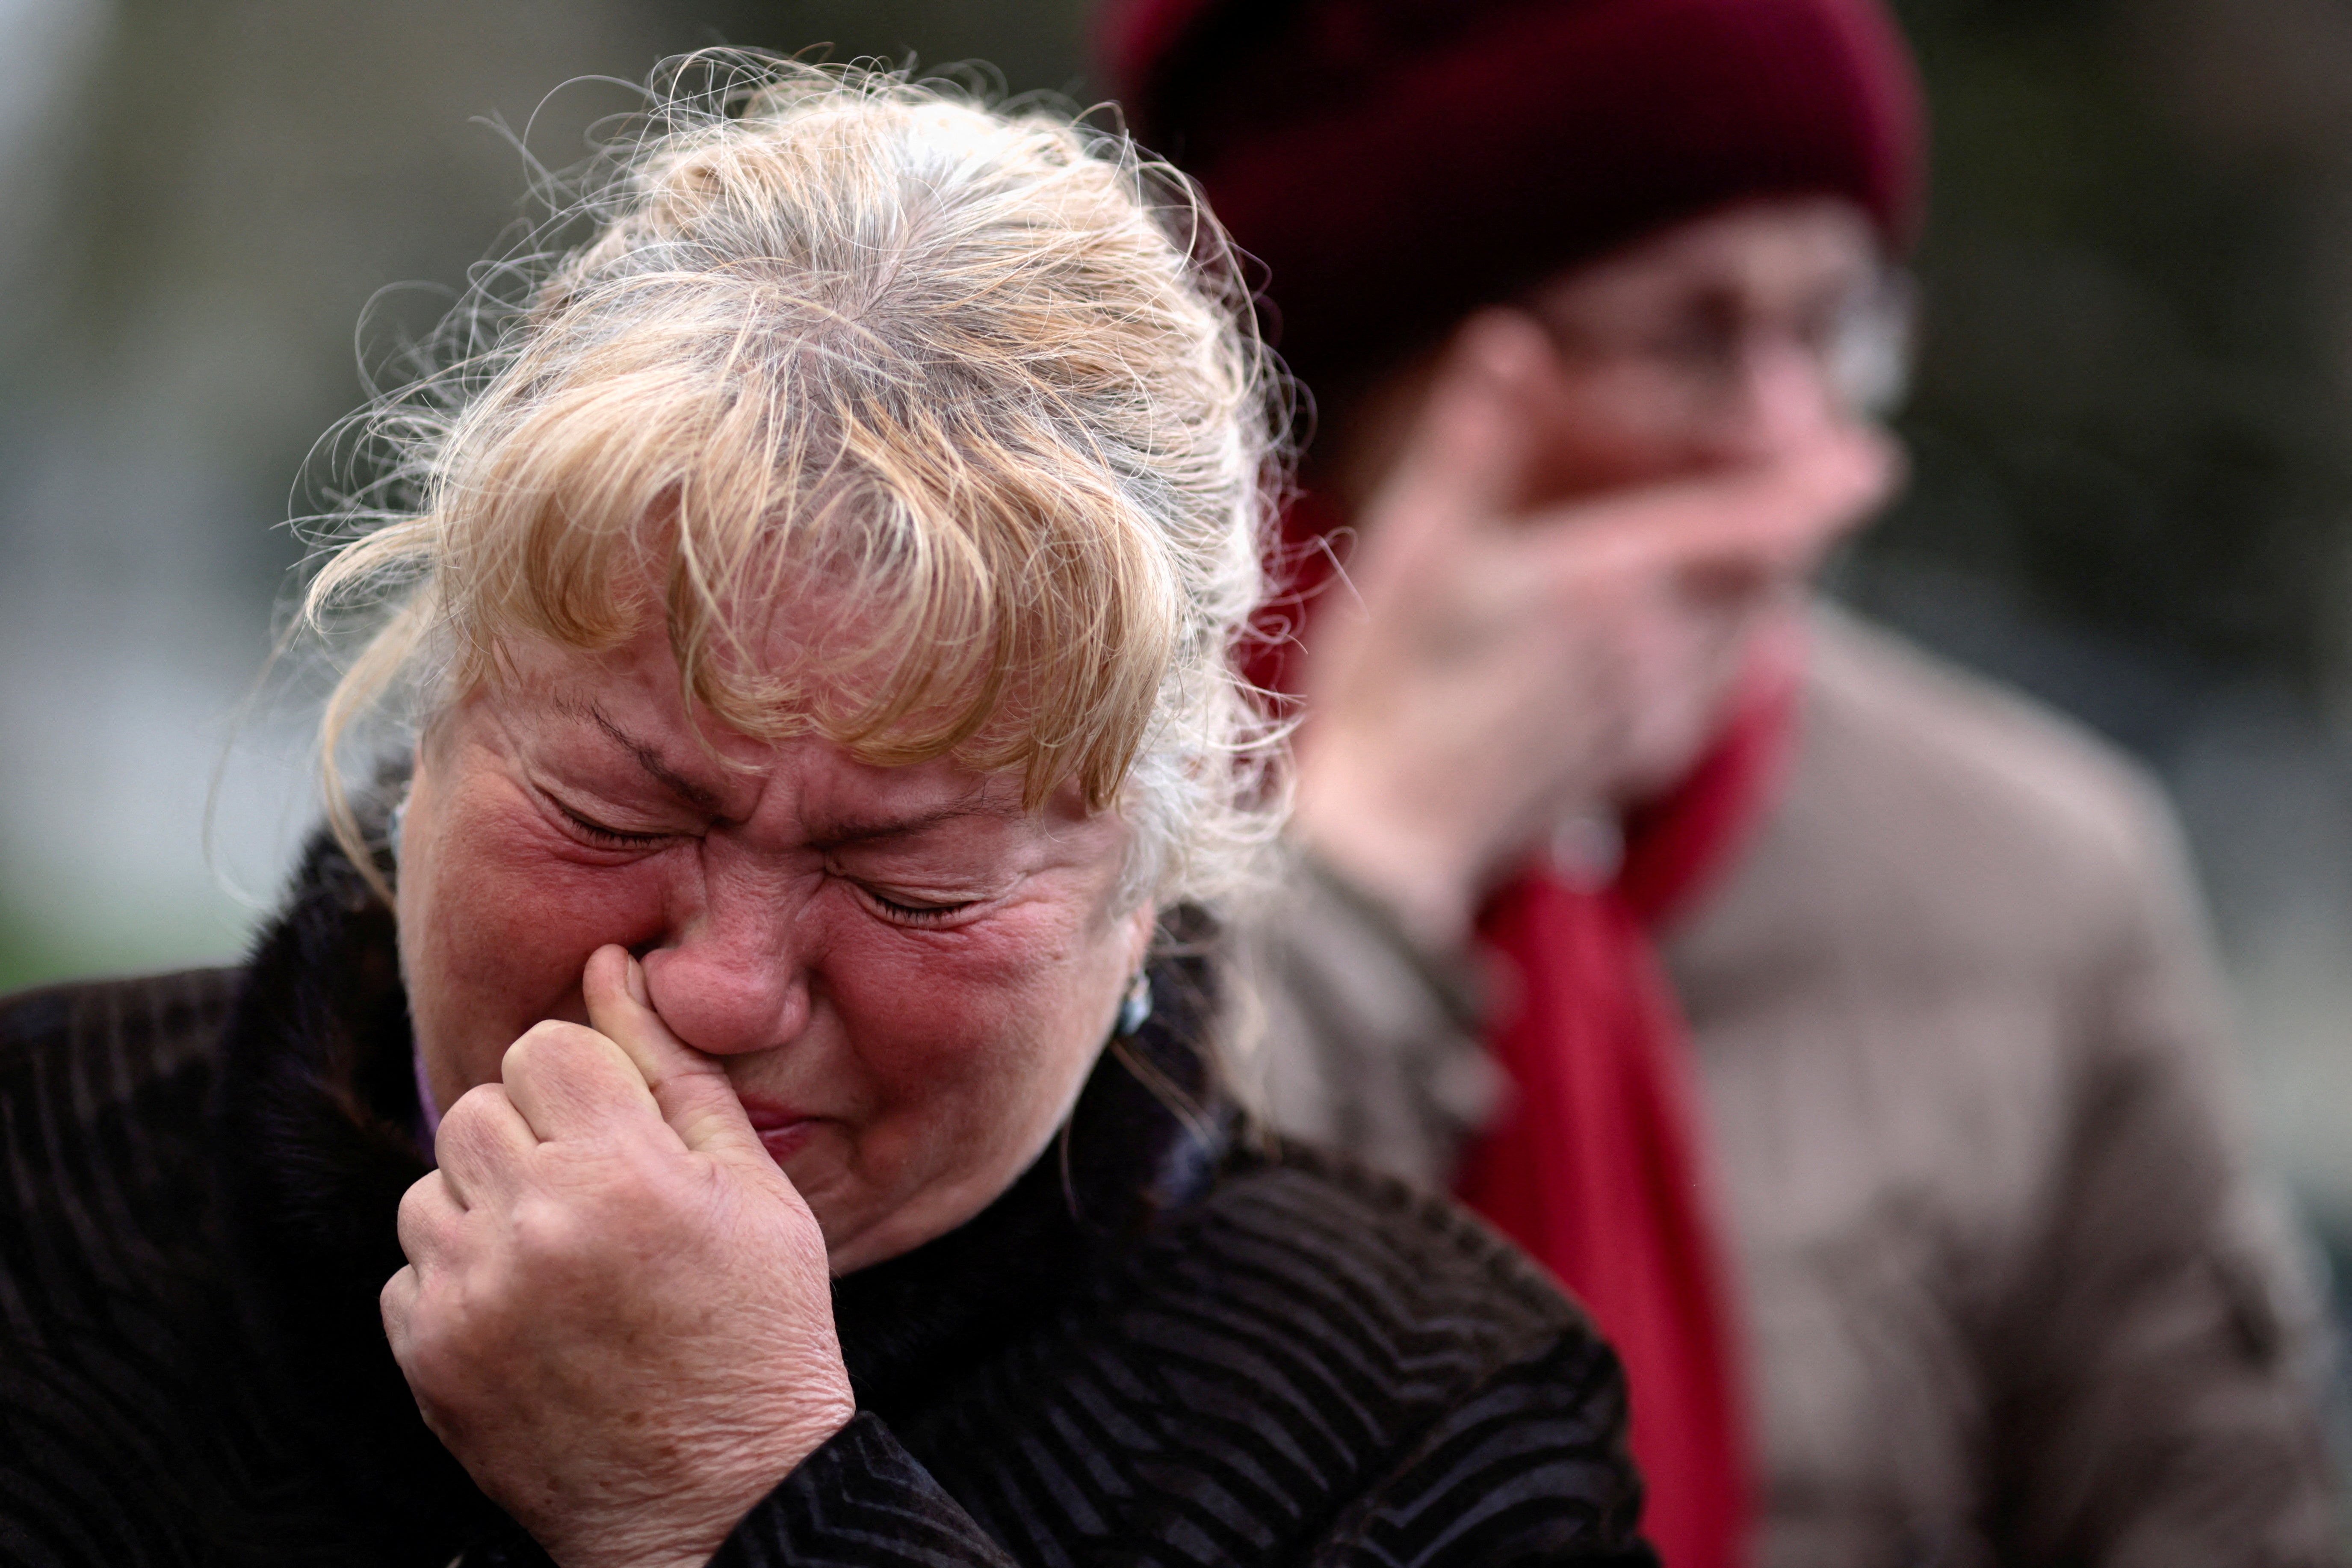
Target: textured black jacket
x=1164, y=1344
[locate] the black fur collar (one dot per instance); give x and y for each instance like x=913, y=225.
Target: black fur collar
x=315, y=1111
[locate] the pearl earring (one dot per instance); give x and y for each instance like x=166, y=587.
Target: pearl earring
x=1135, y=1007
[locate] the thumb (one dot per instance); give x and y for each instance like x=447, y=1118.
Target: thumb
x=691, y=1089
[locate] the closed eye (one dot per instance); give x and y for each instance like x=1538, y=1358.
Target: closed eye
x=916, y=914
x=597, y=833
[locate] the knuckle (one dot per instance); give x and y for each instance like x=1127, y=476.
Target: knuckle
x=547, y=1043
x=458, y=1330
x=466, y=1117
x=416, y=1323
x=395, y=1302
x=426, y=1357
x=419, y=1209
x=552, y=1235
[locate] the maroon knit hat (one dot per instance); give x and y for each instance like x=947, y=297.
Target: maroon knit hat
x=1396, y=164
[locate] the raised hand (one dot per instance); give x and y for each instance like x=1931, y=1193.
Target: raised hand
x=1500, y=669
x=618, y=1312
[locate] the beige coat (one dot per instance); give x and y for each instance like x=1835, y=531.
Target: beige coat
x=2010, y=1293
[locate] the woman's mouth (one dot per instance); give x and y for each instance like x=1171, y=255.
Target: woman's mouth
x=782, y=1130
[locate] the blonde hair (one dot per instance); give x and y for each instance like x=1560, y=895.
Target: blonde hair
x=985, y=377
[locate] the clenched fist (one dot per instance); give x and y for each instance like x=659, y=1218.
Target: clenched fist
x=616, y=1312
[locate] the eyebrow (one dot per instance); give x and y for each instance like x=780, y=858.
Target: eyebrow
x=857, y=832
x=848, y=831
x=701, y=796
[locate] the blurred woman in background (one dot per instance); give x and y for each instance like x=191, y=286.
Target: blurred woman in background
x=1853, y=1047
x=738, y=1093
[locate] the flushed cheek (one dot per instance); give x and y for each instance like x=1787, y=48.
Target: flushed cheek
x=964, y=1100
x=968, y=1030
x=508, y=940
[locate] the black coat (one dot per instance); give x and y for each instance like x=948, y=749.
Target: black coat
x=1164, y=1344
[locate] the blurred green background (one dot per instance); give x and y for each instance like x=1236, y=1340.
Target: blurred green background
x=2132, y=424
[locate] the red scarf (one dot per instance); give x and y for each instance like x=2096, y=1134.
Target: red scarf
x=1597, y=1166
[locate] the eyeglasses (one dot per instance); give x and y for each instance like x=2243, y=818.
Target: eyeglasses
x=1700, y=352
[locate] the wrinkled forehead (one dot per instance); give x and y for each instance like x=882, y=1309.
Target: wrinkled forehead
x=628, y=705
x=796, y=638
x=1005, y=605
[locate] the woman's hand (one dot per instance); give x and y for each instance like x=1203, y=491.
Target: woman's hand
x=1501, y=669
x=618, y=1312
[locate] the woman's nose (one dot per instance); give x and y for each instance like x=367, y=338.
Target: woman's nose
x=1780, y=397
x=735, y=979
